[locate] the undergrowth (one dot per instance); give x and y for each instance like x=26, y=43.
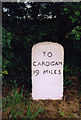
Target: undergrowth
x=17, y=106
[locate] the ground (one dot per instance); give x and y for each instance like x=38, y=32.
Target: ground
x=69, y=107
x=66, y=108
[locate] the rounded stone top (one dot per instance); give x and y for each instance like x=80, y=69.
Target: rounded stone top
x=47, y=43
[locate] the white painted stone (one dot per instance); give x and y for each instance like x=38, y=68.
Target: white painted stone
x=47, y=71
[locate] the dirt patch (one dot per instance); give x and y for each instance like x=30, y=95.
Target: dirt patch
x=66, y=108
x=69, y=107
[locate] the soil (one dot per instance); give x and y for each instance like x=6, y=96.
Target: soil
x=69, y=107
x=66, y=108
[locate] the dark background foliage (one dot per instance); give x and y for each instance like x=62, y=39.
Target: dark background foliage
x=27, y=24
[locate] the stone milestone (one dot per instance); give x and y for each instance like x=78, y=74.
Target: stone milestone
x=47, y=71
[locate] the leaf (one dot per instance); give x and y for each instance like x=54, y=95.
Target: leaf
x=73, y=20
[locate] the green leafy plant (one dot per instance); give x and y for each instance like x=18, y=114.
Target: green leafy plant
x=71, y=71
x=4, y=65
x=6, y=38
x=15, y=104
x=61, y=113
x=71, y=116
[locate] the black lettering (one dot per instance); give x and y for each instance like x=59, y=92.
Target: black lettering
x=36, y=72
x=44, y=53
x=55, y=71
x=47, y=63
x=60, y=63
x=39, y=63
x=49, y=54
x=34, y=63
x=51, y=72
x=45, y=71
x=52, y=63
x=56, y=63
x=59, y=72
x=43, y=63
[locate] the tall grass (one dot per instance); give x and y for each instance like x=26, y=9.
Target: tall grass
x=17, y=106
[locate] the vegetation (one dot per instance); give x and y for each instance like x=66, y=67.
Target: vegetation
x=25, y=25
x=17, y=106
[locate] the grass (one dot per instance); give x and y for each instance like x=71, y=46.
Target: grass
x=17, y=106
x=35, y=111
